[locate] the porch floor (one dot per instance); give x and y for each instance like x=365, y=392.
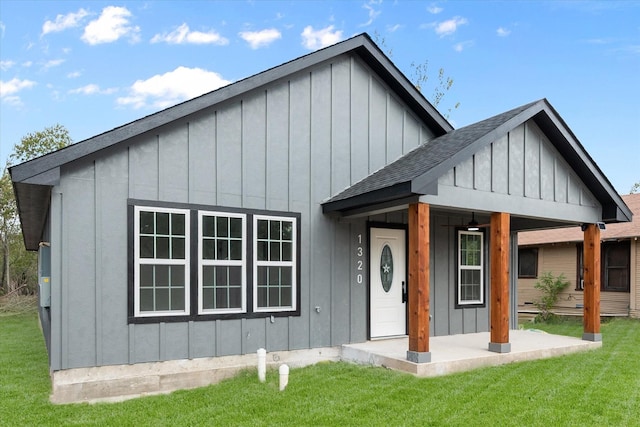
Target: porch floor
x=464, y=352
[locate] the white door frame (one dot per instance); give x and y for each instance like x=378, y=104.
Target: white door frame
x=387, y=281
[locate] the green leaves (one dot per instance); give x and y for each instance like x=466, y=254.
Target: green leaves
x=18, y=267
x=551, y=288
x=39, y=143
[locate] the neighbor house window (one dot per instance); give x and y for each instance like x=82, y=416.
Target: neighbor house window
x=470, y=268
x=274, y=254
x=222, y=269
x=528, y=263
x=614, y=267
x=161, y=264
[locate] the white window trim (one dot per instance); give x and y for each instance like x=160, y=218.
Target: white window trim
x=212, y=262
x=292, y=264
x=471, y=267
x=155, y=261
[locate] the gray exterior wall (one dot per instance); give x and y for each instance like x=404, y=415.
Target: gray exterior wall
x=288, y=147
x=520, y=173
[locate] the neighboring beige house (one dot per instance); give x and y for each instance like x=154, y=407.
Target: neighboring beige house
x=560, y=251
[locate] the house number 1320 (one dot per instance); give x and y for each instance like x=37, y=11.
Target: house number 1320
x=359, y=260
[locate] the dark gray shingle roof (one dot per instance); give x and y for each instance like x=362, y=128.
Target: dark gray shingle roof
x=414, y=174
x=423, y=161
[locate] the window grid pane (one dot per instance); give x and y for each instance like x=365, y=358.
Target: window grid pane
x=162, y=235
x=222, y=262
x=162, y=287
x=275, y=257
x=470, y=267
x=161, y=256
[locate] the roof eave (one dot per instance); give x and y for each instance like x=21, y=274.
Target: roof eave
x=361, y=44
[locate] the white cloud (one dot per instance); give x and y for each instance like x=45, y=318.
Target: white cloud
x=182, y=35
x=434, y=9
x=112, y=25
x=459, y=47
x=316, y=39
x=27, y=64
x=74, y=74
x=5, y=65
x=394, y=28
x=164, y=90
x=53, y=63
x=503, y=32
x=450, y=26
x=62, y=22
x=373, y=14
x=2, y=29
x=258, y=39
x=13, y=100
x=92, y=89
x=14, y=86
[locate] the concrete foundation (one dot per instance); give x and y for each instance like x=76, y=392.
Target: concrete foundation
x=448, y=354
x=121, y=382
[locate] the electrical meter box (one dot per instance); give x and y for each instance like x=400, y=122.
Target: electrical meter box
x=44, y=275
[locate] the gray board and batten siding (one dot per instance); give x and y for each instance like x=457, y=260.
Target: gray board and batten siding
x=286, y=146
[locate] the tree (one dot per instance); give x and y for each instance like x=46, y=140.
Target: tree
x=420, y=77
x=635, y=188
x=19, y=266
x=551, y=287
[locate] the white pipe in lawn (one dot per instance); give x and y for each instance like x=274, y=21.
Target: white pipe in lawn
x=262, y=364
x=284, y=376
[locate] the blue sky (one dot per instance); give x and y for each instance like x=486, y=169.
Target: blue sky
x=93, y=66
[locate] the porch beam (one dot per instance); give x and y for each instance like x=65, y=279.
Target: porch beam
x=591, y=260
x=419, y=283
x=499, y=305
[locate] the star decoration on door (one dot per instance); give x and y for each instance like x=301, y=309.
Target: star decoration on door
x=386, y=268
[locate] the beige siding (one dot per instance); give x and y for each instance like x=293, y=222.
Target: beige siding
x=561, y=259
x=635, y=278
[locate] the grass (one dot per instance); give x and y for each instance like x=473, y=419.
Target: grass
x=600, y=387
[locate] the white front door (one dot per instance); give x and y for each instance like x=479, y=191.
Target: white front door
x=387, y=282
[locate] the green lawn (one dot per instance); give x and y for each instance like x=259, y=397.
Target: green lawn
x=600, y=387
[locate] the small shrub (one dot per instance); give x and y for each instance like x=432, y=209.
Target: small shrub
x=551, y=287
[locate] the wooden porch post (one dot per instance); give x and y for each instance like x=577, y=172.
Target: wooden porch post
x=499, y=305
x=591, y=256
x=419, y=283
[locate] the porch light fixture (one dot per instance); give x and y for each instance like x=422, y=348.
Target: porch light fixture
x=473, y=224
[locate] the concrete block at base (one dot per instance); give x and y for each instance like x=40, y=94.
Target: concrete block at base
x=590, y=336
x=419, y=356
x=498, y=347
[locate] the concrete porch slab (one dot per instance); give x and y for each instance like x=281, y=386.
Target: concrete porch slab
x=458, y=353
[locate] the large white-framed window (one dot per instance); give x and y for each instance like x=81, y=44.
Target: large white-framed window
x=161, y=261
x=222, y=263
x=470, y=268
x=274, y=263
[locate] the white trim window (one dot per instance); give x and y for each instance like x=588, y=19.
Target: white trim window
x=274, y=263
x=222, y=263
x=161, y=261
x=470, y=267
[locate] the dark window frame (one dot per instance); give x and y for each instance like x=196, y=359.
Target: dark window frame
x=528, y=275
x=605, y=247
x=193, y=262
